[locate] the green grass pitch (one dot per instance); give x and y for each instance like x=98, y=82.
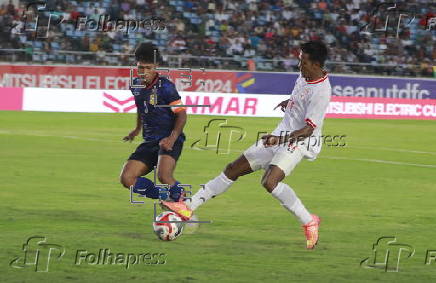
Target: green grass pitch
x=59, y=179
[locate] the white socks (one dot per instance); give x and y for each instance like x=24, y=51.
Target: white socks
x=291, y=202
x=282, y=192
x=213, y=188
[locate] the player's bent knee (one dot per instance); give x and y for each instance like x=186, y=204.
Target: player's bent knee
x=269, y=184
x=231, y=172
x=127, y=180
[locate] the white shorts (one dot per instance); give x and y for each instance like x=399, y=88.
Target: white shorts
x=261, y=157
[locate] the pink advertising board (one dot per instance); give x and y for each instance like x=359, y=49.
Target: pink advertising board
x=381, y=108
x=230, y=104
x=11, y=98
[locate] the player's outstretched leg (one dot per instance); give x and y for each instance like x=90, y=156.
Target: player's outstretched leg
x=221, y=183
x=289, y=200
x=214, y=187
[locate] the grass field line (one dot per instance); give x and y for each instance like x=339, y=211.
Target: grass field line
x=380, y=161
x=40, y=134
x=394, y=149
x=239, y=151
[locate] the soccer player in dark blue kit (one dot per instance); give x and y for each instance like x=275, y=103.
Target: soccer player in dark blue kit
x=162, y=129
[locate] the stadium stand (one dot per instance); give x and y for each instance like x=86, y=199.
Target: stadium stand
x=227, y=32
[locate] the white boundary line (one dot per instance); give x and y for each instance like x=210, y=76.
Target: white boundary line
x=380, y=161
x=35, y=134
x=360, y=159
x=394, y=149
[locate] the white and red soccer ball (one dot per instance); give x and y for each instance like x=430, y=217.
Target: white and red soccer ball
x=168, y=231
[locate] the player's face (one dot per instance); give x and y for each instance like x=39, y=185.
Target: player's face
x=146, y=71
x=306, y=65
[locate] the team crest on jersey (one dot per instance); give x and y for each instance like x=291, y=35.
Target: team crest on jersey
x=153, y=97
x=136, y=93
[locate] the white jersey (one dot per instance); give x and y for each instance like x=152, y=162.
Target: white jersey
x=307, y=106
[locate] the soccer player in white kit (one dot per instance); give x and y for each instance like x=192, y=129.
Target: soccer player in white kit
x=296, y=137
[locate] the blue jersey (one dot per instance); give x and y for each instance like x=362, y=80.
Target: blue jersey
x=157, y=122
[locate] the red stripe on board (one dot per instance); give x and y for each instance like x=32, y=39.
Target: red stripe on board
x=115, y=109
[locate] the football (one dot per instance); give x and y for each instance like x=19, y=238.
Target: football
x=168, y=231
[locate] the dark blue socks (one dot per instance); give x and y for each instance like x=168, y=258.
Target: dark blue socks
x=146, y=187
x=175, y=191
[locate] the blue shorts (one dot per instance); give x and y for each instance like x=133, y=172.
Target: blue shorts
x=148, y=152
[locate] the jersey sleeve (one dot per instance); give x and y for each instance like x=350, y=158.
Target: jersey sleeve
x=317, y=107
x=130, y=86
x=135, y=81
x=173, y=98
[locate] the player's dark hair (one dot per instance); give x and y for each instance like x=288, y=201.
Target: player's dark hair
x=316, y=50
x=148, y=53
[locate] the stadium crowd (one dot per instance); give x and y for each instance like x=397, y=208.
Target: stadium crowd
x=227, y=33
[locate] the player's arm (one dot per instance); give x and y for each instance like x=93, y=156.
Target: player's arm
x=282, y=105
x=131, y=136
x=179, y=123
x=315, y=113
x=298, y=135
x=174, y=100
